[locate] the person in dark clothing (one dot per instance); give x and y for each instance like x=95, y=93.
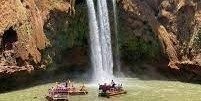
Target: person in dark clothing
x=104, y=88
x=113, y=84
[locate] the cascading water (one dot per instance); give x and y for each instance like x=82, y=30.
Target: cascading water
x=117, y=51
x=100, y=41
x=105, y=37
x=96, y=55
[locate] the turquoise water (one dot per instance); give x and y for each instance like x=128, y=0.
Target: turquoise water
x=138, y=90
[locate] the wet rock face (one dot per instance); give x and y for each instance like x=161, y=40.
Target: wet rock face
x=21, y=32
x=177, y=25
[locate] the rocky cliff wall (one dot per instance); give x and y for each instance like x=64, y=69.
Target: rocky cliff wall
x=177, y=25
x=21, y=32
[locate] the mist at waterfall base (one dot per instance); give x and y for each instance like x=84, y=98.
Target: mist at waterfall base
x=100, y=42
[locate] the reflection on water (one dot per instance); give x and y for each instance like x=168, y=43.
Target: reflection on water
x=138, y=90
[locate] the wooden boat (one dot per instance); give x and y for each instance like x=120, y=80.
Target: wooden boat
x=57, y=98
x=60, y=92
x=77, y=92
x=57, y=94
x=110, y=91
x=108, y=94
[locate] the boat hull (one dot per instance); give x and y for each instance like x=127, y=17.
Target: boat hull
x=78, y=93
x=111, y=94
x=49, y=98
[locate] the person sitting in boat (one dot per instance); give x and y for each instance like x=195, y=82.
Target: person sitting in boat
x=60, y=85
x=104, y=88
x=57, y=85
x=119, y=87
x=72, y=87
x=68, y=85
x=113, y=84
x=68, y=82
x=83, y=88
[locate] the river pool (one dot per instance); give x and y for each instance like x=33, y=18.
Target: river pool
x=138, y=90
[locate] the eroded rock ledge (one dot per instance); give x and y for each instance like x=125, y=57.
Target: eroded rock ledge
x=21, y=32
x=177, y=25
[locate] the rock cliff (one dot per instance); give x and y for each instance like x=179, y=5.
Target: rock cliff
x=176, y=23
x=21, y=32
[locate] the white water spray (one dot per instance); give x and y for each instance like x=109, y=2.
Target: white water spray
x=100, y=41
x=96, y=57
x=105, y=37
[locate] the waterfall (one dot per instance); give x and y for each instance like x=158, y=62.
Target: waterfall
x=96, y=55
x=105, y=37
x=100, y=41
x=117, y=51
